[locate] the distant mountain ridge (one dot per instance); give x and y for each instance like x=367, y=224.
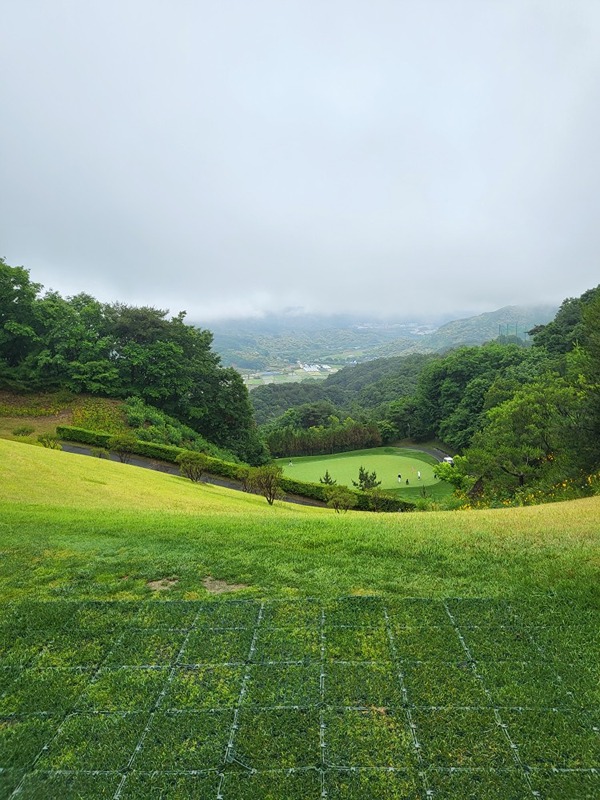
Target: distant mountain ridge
x=510, y=321
x=278, y=342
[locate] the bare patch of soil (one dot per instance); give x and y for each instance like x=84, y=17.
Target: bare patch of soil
x=215, y=586
x=163, y=584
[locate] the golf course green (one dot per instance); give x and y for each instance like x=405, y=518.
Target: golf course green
x=387, y=462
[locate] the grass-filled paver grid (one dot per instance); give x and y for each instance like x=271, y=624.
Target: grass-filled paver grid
x=353, y=698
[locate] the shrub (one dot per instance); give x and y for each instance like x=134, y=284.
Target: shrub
x=73, y=434
x=192, y=465
x=340, y=498
x=124, y=445
x=266, y=481
x=49, y=440
x=23, y=430
x=99, y=452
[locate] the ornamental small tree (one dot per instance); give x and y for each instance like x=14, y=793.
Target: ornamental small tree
x=340, y=498
x=192, y=465
x=265, y=480
x=366, y=480
x=327, y=479
x=123, y=444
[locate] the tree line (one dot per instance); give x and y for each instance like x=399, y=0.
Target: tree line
x=49, y=342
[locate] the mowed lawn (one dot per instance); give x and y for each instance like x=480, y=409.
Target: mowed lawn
x=387, y=462
x=409, y=656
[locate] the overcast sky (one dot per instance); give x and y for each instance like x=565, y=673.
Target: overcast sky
x=229, y=157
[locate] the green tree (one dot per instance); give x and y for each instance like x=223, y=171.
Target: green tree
x=340, y=498
x=366, y=480
x=192, y=465
x=327, y=479
x=526, y=440
x=18, y=337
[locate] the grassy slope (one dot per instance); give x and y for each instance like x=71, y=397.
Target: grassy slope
x=72, y=526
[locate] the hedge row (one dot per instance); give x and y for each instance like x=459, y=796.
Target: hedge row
x=225, y=469
x=165, y=452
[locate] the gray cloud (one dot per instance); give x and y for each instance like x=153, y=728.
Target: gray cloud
x=232, y=157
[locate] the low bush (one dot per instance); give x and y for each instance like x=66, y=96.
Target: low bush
x=49, y=440
x=23, y=430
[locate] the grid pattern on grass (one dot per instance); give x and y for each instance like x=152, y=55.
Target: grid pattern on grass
x=352, y=698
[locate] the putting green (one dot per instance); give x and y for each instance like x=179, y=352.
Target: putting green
x=387, y=462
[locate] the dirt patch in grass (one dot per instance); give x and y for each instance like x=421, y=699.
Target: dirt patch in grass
x=214, y=586
x=163, y=584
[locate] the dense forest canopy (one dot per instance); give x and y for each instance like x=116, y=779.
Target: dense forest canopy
x=49, y=342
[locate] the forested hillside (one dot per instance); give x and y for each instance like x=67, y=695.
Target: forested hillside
x=278, y=342
x=350, y=390
x=524, y=420
x=48, y=342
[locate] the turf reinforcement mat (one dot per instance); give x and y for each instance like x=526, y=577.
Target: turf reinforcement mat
x=357, y=698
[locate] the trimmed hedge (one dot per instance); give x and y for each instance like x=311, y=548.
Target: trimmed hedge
x=72, y=434
x=164, y=452
x=225, y=469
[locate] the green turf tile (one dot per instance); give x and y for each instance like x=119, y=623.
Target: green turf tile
x=214, y=646
x=292, y=614
x=96, y=618
x=38, y=615
x=278, y=739
x=583, y=682
x=145, y=786
x=569, y=644
x=49, y=690
x=9, y=780
x=462, y=738
x=415, y=613
x=289, y=685
x=185, y=741
x=566, y=785
x=362, y=685
x=374, y=785
x=442, y=684
x=73, y=651
x=271, y=786
x=167, y=615
x=65, y=786
x=355, y=611
x=483, y=612
x=479, y=785
x=196, y=688
x=123, y=689
x=22, y=650
x=228, y=614
x=427, y=644
x=288, y=644
x=373, y=737
x=22, y=739
x=7, y=676
x=525, y=684
x=357, y=644
x=146, y=648
x=94, y=742
x=560, y=739
x=489, y=643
